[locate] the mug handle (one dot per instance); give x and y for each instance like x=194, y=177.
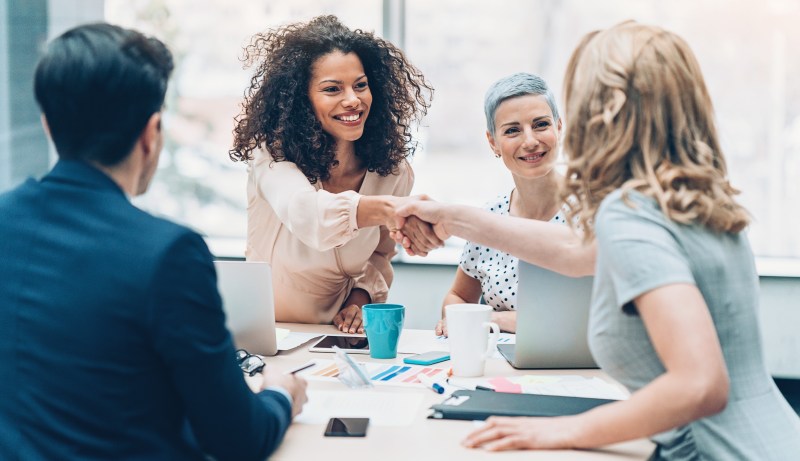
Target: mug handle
x=494, y=329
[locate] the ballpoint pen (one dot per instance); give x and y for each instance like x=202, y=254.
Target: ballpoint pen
x=301, y=368
x=428, y=381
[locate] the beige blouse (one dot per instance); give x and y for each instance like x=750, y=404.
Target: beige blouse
x=311, y=238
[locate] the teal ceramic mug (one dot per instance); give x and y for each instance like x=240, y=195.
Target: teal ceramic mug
x=383, y=324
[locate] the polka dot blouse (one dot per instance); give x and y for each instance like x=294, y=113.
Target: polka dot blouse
x=495, y=270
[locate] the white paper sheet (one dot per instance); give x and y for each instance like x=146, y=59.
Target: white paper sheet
x=420, y=341
x=382, y=408
x=294, y=339
x=583, y=387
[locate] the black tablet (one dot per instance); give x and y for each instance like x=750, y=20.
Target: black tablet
x=355, y=344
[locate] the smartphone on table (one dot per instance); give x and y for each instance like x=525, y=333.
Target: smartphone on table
x=347, y=427
x=427, y=358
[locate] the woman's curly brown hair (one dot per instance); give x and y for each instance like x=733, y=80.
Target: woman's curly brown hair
x=277, y=113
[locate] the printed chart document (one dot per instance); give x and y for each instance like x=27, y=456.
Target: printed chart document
x=382, y=408
x=406, y=375
x=378, y=373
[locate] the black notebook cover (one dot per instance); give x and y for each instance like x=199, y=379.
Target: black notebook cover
x=479, y=405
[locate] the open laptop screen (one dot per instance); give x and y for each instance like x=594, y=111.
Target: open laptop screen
x=552, y=320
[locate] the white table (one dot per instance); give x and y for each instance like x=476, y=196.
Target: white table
x=425, y=439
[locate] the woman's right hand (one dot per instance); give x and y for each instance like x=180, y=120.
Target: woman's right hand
x=418, y=237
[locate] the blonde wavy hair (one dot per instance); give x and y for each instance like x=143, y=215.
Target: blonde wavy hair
x=639, y=117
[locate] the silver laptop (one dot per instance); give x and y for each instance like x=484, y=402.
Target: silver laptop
x=246, y=290
x=552, y=321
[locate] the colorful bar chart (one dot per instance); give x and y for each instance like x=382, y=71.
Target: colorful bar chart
x=378, y=373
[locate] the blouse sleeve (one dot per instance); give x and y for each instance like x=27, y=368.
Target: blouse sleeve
x=318, y=218
x=378, y=272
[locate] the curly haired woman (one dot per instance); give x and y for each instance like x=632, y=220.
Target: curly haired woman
x=325, y=130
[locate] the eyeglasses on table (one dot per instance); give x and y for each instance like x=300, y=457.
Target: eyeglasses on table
x=249, y=363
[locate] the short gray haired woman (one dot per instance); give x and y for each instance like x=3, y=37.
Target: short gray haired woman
x=523, y=129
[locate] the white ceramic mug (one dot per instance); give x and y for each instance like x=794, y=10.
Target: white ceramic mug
x=469, y=329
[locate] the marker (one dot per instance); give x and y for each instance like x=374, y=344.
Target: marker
x=428, y=381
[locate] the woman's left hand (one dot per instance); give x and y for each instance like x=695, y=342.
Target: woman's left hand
x=348, y=320
x=502, y=433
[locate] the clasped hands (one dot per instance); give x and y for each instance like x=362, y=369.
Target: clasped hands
x=413, y=226
x=413, y=222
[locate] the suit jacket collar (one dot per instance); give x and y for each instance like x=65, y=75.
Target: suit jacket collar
x=82, y=174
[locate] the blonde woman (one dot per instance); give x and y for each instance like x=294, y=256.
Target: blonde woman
x=674, y=311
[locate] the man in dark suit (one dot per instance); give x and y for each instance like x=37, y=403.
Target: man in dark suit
x=112, y=337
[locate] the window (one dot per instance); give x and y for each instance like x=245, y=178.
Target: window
x=745, y=52
x=196, y=183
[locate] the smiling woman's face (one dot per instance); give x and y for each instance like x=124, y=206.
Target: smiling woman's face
x=340, y=95
x=526, y=136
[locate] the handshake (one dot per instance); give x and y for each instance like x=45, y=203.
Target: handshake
x=419, y=224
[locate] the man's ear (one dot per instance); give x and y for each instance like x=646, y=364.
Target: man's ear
x=46, y=126
x=490, y=138
x=151, y=135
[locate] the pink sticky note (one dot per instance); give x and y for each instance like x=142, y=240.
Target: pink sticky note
x=501, y=384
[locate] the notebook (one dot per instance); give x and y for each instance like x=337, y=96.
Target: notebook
x=552, y=321
x=479, y=405
x=246, y=291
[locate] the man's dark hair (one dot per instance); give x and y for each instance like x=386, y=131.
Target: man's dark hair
x=98, y=85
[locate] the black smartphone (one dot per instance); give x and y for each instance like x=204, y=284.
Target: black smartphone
x=347, y=427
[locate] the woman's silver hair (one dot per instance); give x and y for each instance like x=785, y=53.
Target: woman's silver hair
x=519, y=84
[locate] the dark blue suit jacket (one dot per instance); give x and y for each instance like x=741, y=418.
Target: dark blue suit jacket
x=112, y=334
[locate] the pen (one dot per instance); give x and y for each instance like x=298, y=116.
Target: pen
x=304, y=367
x=428, y=381
x=455, y=382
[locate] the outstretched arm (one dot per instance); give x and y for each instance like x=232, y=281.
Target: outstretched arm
x=382, y=209
x=552, y=246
